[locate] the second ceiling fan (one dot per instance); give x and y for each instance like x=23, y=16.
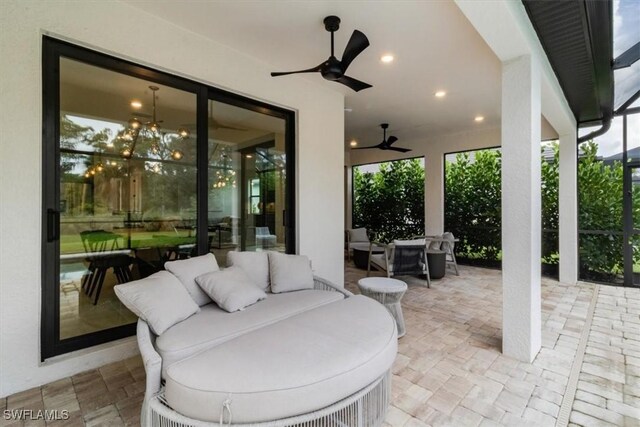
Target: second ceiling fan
x=386, y=143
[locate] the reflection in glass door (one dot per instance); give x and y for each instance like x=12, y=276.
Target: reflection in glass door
x=247, y=180
x=127, y=189
x=141, y=167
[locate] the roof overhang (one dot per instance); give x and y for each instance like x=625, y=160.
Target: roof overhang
x=577, y=37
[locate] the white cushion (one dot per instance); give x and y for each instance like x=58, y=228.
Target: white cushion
x=230, y=288
x=255, y=264
x=160, y=300
x=292, y=367
x=436, y=244
x=213, y=326
x=358, y=235
x=414, y=242
x=188, y=269
x=289, y=272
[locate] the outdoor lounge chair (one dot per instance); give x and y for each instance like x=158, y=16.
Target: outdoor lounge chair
x=401, y=258
x=356, y=236
x=264, y=238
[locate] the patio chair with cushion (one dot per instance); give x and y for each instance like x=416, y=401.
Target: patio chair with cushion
x=449, y=246
x=402, y=258
x=356, y=236
x=264, y=238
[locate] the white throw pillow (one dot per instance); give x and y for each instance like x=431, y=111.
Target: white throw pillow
x=358, y=235
x=289, y=272
x=414, y=242
x=160, y=300
x=254, y=264
x=188, y=269
x=231, y=288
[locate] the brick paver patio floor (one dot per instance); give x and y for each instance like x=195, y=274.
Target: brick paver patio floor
x=449, y=370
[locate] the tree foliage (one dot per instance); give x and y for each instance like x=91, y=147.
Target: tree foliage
x=472, y=203
x=550, y=174
x=390, y=202
x=473, y=208
x=600, y=209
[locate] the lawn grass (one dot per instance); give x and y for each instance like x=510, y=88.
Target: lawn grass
x=72, y=243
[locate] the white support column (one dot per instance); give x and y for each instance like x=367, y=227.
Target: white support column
x=521, y=220
x=433, y=194
x=568, y=209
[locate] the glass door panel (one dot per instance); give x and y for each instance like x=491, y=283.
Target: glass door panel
x=247, y=180
x=127, y=189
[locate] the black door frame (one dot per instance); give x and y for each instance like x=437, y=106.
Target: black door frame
x=52, y=50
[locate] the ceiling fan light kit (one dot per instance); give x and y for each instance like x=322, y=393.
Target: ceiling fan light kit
x=333, y=69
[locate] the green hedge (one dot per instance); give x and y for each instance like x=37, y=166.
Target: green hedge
x=391, y=204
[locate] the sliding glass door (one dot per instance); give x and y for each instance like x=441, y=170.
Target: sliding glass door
x=140, y=168
x=247, y=180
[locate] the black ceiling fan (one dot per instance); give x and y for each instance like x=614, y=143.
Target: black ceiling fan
x=386, y=142
x=334, y=69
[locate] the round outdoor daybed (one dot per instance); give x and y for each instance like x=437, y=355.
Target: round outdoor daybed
x=329, y=366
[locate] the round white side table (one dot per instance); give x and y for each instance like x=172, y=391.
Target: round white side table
x=389, y=293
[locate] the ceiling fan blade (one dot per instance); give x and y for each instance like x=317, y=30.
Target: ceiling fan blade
x=352, y=83
x=402, y=150
x=391, y=140
x=365, y=148
x=357, y=43
x=309, y=70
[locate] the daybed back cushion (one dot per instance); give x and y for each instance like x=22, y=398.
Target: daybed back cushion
x=231, y=288
x=160, y=300
x=358, y=235
x=254, y=264
x=186, y=270
x=289, y=272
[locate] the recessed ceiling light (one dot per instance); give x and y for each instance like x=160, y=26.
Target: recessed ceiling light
x=479, y=119
x=136, y=104
x=353, y=143
x=440, y=94
x=249, y=156
x=386, y=58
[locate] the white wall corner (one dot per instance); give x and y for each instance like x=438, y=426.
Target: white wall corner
x=434, y=193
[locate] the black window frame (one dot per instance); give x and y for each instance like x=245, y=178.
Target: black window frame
x=54, y=49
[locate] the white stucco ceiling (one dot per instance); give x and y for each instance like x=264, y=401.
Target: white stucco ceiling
x=435, y=48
